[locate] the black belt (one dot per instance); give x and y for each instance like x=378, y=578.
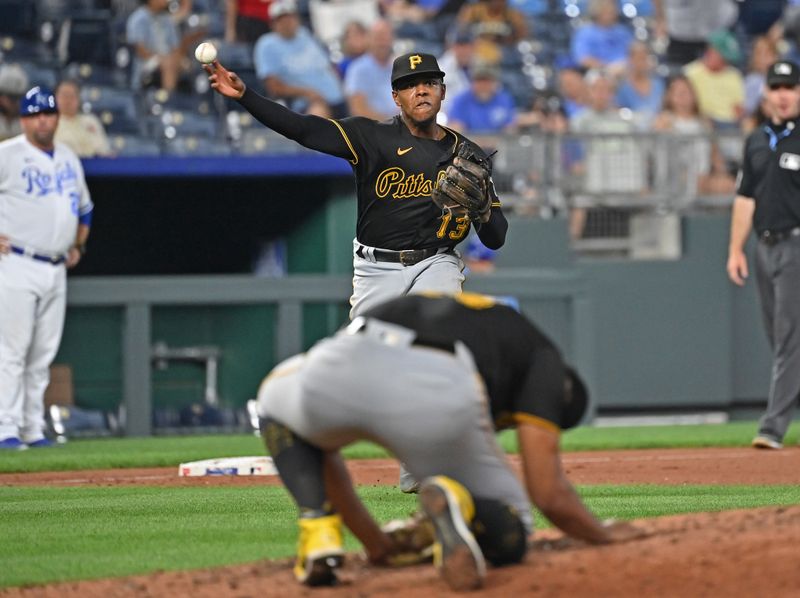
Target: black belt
x=772, y=237
x=39, y=257
x=407, y=257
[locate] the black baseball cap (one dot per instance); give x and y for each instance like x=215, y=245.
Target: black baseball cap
x=415, y=64
x=783, y=72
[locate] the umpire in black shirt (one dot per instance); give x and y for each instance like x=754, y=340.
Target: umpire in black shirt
x=768, y=200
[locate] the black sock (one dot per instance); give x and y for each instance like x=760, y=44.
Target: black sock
x=300, y=466
x=499, y=531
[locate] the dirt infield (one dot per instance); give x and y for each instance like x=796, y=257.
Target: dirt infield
x=735, y=553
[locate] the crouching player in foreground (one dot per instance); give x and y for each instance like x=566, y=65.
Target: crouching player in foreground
x=431, y=379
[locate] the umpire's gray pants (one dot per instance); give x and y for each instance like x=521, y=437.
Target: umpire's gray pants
x=778, y=277
x=427, y=406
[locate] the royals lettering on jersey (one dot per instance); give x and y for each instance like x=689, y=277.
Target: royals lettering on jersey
x=396, y=174
x=41, y=196
x=43, y=182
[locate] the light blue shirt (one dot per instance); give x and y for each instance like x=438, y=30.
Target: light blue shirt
x=156, y=32
x=649, y=105
x=606, y=44
x=483, y=117
x=299, y=61
x=367, y=76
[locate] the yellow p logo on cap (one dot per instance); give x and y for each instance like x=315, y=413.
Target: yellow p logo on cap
x=414, y=60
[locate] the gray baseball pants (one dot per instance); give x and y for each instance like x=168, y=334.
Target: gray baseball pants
x=427, y=406
x=375, y=282
x=778, y=278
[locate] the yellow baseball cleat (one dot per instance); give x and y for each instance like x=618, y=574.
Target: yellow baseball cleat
x=455, y=552
x=319, y=550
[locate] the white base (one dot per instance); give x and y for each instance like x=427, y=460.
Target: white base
x=229, y=466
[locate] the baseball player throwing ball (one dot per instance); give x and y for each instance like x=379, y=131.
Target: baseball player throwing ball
x=45, y=215
x=429, y=378
x=420, y=186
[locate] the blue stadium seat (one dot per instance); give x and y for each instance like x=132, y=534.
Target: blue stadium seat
x=88, y=38
x=193, y=145
x=18, y=17
x=15, y=48
x=265, y=141
x=119, y=123
x=159, y=101
x=86, y=73
x=39, y=74
x=134, y=145
x=176, y=123
x=97, y=98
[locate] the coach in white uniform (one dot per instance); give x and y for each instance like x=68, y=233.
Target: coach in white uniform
x=45, y=215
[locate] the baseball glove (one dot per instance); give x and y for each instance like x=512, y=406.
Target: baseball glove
x=465, y=186
x=413, y=541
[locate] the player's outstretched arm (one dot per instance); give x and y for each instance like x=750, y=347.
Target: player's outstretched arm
x=310, y=131
x=552, y=493
x=5, y=246
x=339, y=489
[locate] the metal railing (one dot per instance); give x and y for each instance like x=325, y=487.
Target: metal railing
x=652, y=170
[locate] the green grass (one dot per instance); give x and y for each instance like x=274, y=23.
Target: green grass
x=170, y=451
x=55, y=534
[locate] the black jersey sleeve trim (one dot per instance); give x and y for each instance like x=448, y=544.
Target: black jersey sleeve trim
x=354, y=161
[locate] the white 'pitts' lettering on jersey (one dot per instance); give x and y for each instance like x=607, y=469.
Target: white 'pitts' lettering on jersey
x=41, y=197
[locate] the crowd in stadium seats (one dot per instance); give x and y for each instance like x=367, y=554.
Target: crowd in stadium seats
x=600, y=65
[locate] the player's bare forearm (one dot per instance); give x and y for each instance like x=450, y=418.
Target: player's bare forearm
x=741, y=225
x=493, y=233
x=741, y=221
x=310, y=131
x=339, y=489
x=549, y=488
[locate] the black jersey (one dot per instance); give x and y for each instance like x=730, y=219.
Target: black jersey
x=396, y=174
x=771, y=176
x=521, y=367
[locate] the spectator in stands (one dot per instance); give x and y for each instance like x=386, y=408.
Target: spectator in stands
x=159, y=50
x=246, y=20
x=757, y=118
x=365, y=96
x=415, y=19
x=13, y=83
x=696, y=159
x=477, y=257
x=614, y=161
x=642, y=91
x=572, y=88
x=496, y=26
x=762, y=54
x=687, y=25
x=456, y=62
x=718, y=84
x=83, y=133
x=485, y=109
x=295, y=67
x=604, y=42
x=354, y=43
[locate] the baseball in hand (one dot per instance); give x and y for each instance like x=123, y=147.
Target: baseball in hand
x=206, y=53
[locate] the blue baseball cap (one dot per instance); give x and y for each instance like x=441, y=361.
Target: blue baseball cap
x=38, y=100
